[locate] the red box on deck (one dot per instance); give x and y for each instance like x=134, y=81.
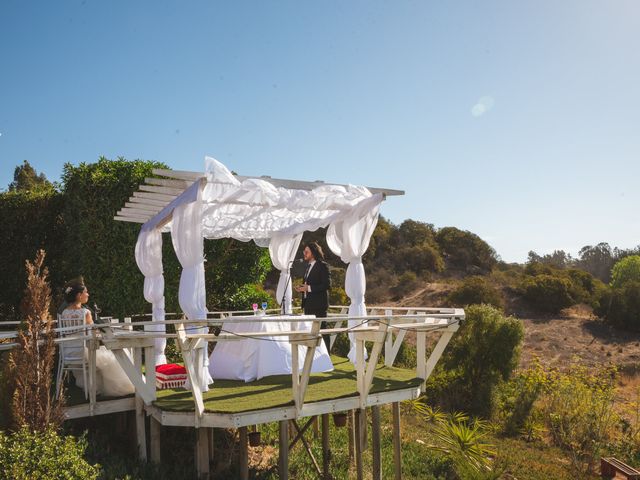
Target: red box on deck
x=170, y=375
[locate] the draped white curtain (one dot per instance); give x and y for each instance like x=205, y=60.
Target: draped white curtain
x=149, y=260
x=349, y=239
x=186, y=235
x=282, y=249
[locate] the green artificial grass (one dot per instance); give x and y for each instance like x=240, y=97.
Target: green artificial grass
x=232, y=396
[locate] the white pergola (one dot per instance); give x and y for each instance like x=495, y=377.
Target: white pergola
x=273, y=213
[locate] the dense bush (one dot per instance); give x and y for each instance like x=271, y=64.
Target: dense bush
x=466, y=250
x=481, y=354
x=625, y=271
x=31, y=220
x=548, y=293
x=621, y=306
x=44, y=456
x=476, y=290
x=75, y=225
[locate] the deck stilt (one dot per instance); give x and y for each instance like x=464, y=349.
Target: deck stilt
x=375, y=442
x=155, y=439
x=202, y=453
x=352, y=435
x=141, y=433
x=397, y=458
x=326, y=451
x=283, y=460
x=244, y=454
x=360, y=414
x=211, y=450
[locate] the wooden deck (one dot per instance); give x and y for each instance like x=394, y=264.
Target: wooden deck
x=231, y=403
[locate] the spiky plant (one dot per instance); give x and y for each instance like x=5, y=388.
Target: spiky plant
x=31, y=362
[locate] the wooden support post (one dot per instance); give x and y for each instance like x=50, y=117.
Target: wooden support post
x=358, y=424
x=326, y=451
x=352, y=435
x=375, y=442
x=202, y=453
x=140, y=416
x=155, y=440
x=397, y=458
x=316, y=428
x=211, y=448
x=283, y=460
x=244, y=454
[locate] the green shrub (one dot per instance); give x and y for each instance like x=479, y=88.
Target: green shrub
x=481, y=354
x=515, y=401
x=579, y=414
x=625, y=271
x=548, y=293
x=32, y=456
x=621, y=306
x=465, y=250
x=476, y=290
x=248, y=295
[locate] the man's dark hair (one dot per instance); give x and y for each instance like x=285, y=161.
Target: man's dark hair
x=316, y=250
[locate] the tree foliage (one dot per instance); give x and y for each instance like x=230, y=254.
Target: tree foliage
x=476, y=290
x=466, y=250
x=626, y=270
x=483, y=353
x=25, y=178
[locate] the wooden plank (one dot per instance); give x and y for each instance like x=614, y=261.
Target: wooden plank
x=101, y=408
x=202, y=453
x=244, y=454
x=326, y=451
x=375, y=442
x=143, y=206
x=397, y=453
x=278, y=182
x=163, y=182
x=188, y=363
x=359, y=442
x=421, y=352
x=134, y=212
x=155, y=196
x=118, y=218
x=154, y=439
x=135, y=375
x=178, y=174
x=148, y=201
x=150, y=369
x=159, y=189
x=141, y=434
x=283, y=454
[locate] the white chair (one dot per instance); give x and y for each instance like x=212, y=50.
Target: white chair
x=72, y=352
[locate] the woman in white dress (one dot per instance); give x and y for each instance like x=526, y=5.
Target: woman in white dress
x=111, y=380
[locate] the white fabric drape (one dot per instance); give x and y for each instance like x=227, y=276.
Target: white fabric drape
x=149, y=260
x=282, y=249
x=186, y=235
x=349, y=239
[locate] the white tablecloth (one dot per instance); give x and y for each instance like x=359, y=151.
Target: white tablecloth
x=253, y=358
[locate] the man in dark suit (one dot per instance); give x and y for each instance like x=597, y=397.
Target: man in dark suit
x=317, y=281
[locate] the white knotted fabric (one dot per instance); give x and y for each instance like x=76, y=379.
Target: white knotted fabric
x=282, y=249
x=186, y=235
x=149, y=260
x=349, y=238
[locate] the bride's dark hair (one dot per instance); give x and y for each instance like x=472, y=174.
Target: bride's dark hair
x=72, y=290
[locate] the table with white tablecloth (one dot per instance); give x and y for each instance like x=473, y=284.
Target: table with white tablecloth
x=254, y=358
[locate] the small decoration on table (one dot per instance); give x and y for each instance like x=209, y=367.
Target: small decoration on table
x=255, y=308
x=264, y=308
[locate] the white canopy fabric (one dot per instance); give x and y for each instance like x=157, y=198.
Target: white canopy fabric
x=221, y=206
x=186, y=235
x=149, y=260
x=282, y=250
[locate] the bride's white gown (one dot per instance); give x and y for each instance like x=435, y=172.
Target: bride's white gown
x=111, y=381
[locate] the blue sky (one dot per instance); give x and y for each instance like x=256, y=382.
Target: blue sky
x=519, y=121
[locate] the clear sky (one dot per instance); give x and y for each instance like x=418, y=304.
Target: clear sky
x=517, y=120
